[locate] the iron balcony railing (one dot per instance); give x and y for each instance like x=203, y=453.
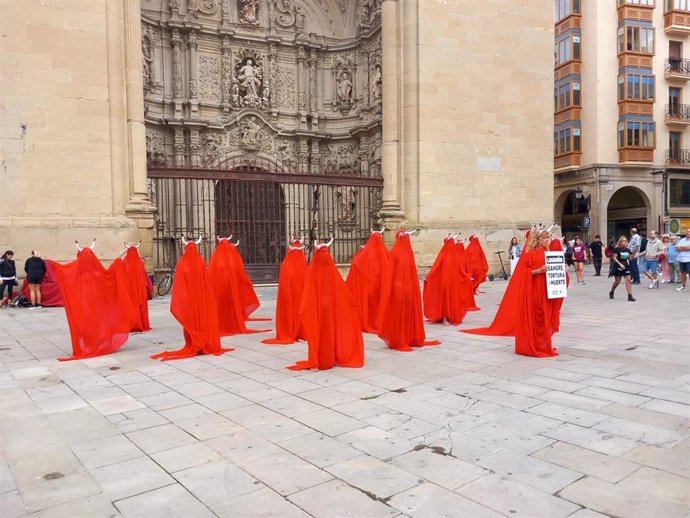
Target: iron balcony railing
x=678, y=66
x=678, y=112
x=678, y=156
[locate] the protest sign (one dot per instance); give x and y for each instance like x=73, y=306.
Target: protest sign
x=555, y=275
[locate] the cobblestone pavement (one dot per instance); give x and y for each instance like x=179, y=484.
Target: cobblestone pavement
x=466, y=429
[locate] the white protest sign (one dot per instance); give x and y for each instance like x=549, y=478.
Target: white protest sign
x=555, y=275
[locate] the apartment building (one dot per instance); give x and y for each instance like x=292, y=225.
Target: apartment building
x=621, y=116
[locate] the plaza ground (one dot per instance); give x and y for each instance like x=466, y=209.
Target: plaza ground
x=465, y=429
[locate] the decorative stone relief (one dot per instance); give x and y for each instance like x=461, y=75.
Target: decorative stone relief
x=342, y=159
x=174, y=6
x=194, y=7
x=177, y=64
x=250, y=136
x=147, y=61
x=286, y=152
x=155, y=148
x=226, y=78
x=285, y=87
x=249, y=11
x=347, y=202
x=211, y=144
x=209, y=78
x=344, y=91
x=248, y=87
x=286, y=14
x=376, y=83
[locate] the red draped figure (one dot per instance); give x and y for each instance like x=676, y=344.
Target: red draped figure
x=234, y=292
x=193, y=304
x=365, y=278
x=137, y=278
x=479, y=267
x=329, y=317
x=100, y=313
x=400, y=322
x=293, y=270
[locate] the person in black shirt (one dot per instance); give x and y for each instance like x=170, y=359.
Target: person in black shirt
x=595, y=250
x=35, y=269
x=621, y=267
x=8, y=274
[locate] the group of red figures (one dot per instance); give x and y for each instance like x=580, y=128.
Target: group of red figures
x=381, y=296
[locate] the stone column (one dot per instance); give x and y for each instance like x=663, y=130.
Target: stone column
x=177, y=73
x=193, y=76
x=178, y=147
x=194, y=148
x=313, y=96
x=391, y=210
x=226, y=74
x=301, y=98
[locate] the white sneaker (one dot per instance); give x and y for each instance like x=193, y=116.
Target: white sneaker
x=680, y=288
x=651, y=286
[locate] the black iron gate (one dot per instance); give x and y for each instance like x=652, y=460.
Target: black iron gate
x=262, y=209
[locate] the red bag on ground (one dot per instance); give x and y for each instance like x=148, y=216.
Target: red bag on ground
x=50, y=290
x=135, y=272
x=193, y=304
x=444, y=297
x=479, y=267
x=99, y=310
x=234, y=298
x=329, y=317
x=365, y=278
x=293, y=270
x=400, y=322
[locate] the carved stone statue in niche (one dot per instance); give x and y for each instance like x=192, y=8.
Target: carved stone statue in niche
x=344, y=90
x=347, y=198
x=248, y=88
x=147, y=61
x=155, y=150
x=377, y=82
x=249, y=11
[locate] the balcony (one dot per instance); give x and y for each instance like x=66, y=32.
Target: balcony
x=567, y=161
x=678, y=158
x=677, y=114
x=635, y=156
x=677, y=23
x=677, y=68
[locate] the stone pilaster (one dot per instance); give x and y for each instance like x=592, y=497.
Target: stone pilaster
x=193, y=75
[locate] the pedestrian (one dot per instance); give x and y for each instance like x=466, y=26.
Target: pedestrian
x=683, y=248
x=634, y=244
x=672, y=259
x=622, y=257
x=596, y=248
x=663, y=259
x=579, y=258
x=608, y=252
x=649, y=264
x=8, y=275
x=35, y=269
x=568, y=251
x=514, y=250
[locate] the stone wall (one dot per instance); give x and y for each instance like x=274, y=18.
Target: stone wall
x=64, y=147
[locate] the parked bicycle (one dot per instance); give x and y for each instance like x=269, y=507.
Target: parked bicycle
x=166, y=282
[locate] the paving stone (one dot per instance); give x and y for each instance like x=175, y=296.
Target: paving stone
x=443, y=470
x=377, y=442
x=330, y=422
x=130, y=477
x=658, y=484
x=567, y=414
x=335, y=499
x=139, y=419
x=506, y=399
x=291, y=406
x=243, y=446
x=160, y=438
x=640, y=432
x=507, y=437
x=51, y=492
x=185, y=412
x=320, y=450
x=668, y=407
x=117, y=405
x=561, y=374
x=221, y=401
x=102, y=452
x=612, y=395
x=431, y=501
x=12, y=505
x=616, y=384
x=676, y=396
x=573, y=400
x=177, y=459
x=208, y=426
x=591, y=439
x=216, y=483
x=97, y=505
x=582, y=460
x=549, y=383
x=373, y=476
x=264, y=501
x=611, y=500
x=512, y=498
x=165, y=401
x=171, y=500
x=673, y=460
x=644, y=416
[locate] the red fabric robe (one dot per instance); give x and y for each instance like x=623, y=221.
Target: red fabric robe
x=193, y=304
x=234, y=294
x=293, y=270
x=99, y=310
x=400, y=321
x=444, y=297
x=50, y=290
x=135, y=272
x=329, y=317
x=365, y=278
x=479, y=267
x=468, y=291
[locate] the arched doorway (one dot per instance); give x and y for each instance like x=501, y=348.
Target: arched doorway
x=254, y=211
x=572, y=211
x=627, y=208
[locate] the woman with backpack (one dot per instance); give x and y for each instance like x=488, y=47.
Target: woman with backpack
x=8, y=275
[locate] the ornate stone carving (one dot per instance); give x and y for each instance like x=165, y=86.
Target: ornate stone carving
x=347, y=201
x=342, y=159
x=344, y=91
x=313, y=95
x=284, y=88
x=226, y=77
x=155, y=148
x=248, y=88
x=177, y=65
x=209, y=78
x=249, y=11
x=286, y=14
x=226, y=13
x=147, y=60
x=286, y=151
x=250, y=136
x=211, y=144
x=174, y=6
x=376, y=83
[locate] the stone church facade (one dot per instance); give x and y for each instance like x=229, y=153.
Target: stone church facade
x=153, y=120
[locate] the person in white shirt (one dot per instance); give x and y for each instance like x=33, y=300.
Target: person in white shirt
x=683, y=248
x=634, y=246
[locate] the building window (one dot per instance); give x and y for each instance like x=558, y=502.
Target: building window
x=636, y=39
x=649, y=3
x=566, y=49
x=567, y=141
x=636, y=87
x=679, y=192
x=677, y=5
x=564, y=8
x=636, y=134
x=567, y=95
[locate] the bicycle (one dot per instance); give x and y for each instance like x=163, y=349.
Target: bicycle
x=166, y=282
